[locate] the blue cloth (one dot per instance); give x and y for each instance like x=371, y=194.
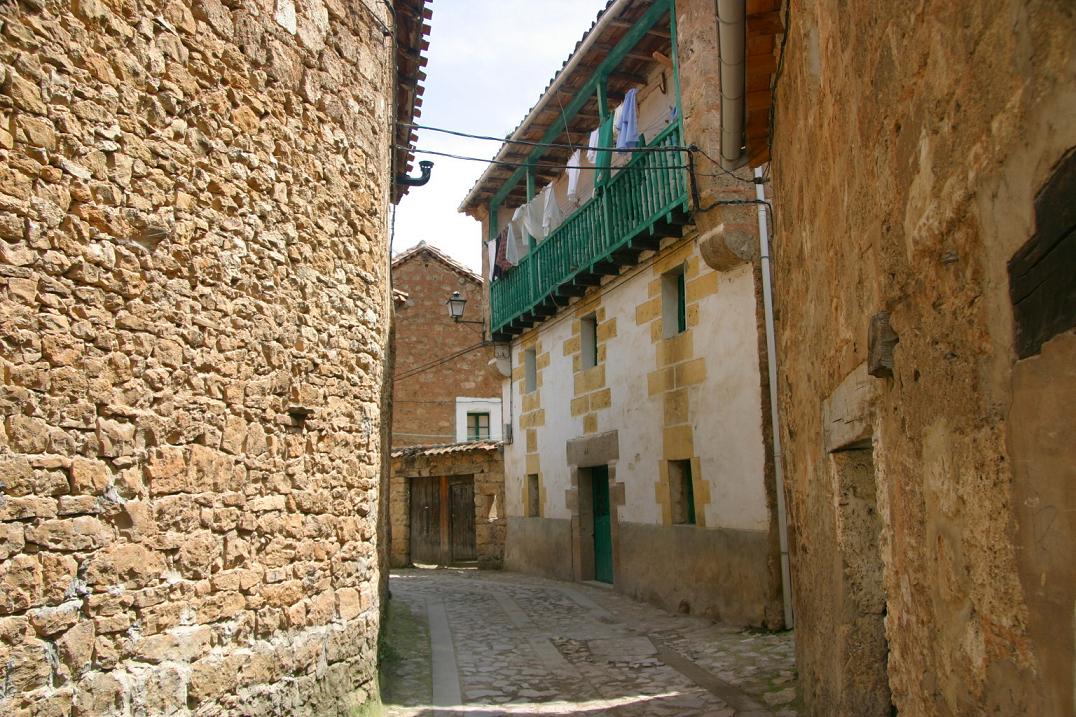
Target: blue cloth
x=629, y=122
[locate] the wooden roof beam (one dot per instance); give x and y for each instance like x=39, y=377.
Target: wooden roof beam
x=626, y=44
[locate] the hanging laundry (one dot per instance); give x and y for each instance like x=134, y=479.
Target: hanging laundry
x=491, y=258
x=511, y=252
x=551, y=214
x=573, y=171
x=501, y=265
x=519, y=228
x=617, y=114
x=628, y=123
x=532, y=218
x=517, y=243
x=595, y=138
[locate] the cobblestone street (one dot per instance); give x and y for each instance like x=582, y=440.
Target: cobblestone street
x=492, y=643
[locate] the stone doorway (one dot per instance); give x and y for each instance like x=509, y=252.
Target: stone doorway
x=863, y=650
x=595, y=520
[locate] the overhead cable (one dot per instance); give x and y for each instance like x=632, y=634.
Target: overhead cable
x=557, y=167
x=532, y=143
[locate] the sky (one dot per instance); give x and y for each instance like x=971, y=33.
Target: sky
x=489, y=61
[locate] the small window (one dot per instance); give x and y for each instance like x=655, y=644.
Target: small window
x=477, y=426
x=674, y=302
x=530, y=368
x=683, y=493
x=533, y=497
x=588, y=337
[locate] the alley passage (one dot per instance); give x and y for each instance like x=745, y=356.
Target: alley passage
x=493, y=643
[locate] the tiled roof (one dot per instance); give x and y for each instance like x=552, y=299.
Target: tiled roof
x=424, y=248
x=446, y=448
x=412, y=42
x=546, y=111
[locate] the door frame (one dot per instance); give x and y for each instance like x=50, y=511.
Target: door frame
x=583, y=454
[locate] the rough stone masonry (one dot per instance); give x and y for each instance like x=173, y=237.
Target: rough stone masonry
x=193, y=313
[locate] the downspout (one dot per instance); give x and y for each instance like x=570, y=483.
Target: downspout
x=732, y=54
x=771, y=360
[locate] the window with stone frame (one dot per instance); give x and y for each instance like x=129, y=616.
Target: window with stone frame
x=534, y=497
x=682, y=493
x=588, y=340
x=530, y=370
x=674, y=302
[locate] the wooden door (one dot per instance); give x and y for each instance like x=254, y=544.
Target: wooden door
x=603, y=526
x=425, y=520
x=461, y=518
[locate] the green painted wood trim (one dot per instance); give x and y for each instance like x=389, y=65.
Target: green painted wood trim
x=605, y=134
x=531, y=190
x=681, y=302
x=675, y=59
x=611, y=61
x=621, y=210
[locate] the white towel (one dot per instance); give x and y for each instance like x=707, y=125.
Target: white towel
x=517, y=242
x=532, y=218
x=511, y=250
x=518, y=222
x=551, y=214
x=595, y=138
x=573, y=176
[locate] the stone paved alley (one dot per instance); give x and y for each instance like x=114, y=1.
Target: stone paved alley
x=491, y=643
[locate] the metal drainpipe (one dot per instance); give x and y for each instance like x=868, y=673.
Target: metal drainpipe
x=771, y=360
x=732, y=54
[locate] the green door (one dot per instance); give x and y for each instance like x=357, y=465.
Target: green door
x=603, y=529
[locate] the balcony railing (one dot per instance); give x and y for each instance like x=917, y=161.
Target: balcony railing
x=627, y=212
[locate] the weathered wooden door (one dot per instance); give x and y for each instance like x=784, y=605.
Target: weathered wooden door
x=442, y=520
x=425, y=520
x=461, y=518
x=603, y=527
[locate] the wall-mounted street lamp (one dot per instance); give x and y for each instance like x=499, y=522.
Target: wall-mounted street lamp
x=456, y=304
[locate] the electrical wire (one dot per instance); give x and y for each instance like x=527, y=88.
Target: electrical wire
x=532, y=143
x=700, y=150
x=556, y=145
x=385, y=31
x=439, y=361
x=728, y=202
x=503, y=163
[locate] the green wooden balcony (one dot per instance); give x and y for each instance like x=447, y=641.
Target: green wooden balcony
x=645, y=200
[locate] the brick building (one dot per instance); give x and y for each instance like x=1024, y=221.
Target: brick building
x=445, y=390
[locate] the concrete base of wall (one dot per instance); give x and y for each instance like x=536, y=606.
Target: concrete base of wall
x=721, y=574
x=539, y=546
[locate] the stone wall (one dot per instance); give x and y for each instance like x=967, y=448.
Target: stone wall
x=424, y=403
x=911, y=141
x=481, y=460
x=193, y=274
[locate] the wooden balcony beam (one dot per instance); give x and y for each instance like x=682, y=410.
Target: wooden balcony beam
x=627, y=43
